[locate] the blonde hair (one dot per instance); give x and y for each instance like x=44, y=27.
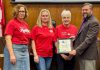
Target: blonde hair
x=66, y=13
x=16, y=10
x=39, y=23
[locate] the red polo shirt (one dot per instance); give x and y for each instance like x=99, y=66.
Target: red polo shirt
x=19, y=31
x=43, y=37
x=66, y=32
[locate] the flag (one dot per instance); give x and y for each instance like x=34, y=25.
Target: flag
x=2, y=19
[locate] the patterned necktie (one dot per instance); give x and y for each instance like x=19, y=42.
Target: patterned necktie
x=84, y=20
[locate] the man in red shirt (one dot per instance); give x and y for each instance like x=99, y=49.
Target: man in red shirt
x=65, y=30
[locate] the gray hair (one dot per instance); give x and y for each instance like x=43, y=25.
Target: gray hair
x=66, y=13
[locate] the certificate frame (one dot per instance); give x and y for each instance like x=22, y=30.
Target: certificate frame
x=64, y=45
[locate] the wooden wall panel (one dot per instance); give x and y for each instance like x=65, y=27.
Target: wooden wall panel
x=55, y=10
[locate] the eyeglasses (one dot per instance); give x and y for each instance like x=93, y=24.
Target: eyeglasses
x=22, y=11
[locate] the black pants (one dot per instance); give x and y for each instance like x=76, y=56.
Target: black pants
x=65, y=64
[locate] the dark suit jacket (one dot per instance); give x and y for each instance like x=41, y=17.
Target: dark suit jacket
x=86, y=39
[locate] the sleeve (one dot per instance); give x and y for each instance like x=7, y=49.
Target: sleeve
x=9, y=28
x=54, y=37
x=91, y=36
x=76, y=31
x=33, y=33
x=73, y=33
x=56, y=34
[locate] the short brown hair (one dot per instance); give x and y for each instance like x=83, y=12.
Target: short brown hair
x=89, y=4
x=16, y=10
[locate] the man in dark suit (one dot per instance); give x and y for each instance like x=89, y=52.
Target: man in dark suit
x=86, y=40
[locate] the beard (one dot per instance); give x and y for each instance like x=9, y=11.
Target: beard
x=85, y=15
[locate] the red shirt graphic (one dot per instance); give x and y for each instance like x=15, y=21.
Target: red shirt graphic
x=19, y=31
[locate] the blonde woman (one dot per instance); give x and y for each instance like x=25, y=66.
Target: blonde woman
x=42, y=40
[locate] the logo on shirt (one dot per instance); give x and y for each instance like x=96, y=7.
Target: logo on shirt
x=24, y=30
x=51, y=31
x=64, y=33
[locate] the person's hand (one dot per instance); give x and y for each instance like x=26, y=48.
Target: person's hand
x=36, y=59
x=70, y=57
x=12, y=59
x=73, y=38
x=65, y=57
x=73, y=52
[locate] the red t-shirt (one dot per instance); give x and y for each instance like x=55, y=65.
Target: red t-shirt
x=19, y=31
x=66, y=32
x=43, y=37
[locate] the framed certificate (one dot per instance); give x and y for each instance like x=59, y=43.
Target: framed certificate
x=64, y=45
